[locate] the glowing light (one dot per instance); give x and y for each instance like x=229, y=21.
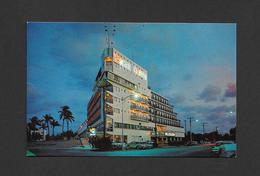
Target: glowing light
x=108, y=59
x=169, y=134
x=92, y=132
x=196, y=120
x=136, y=96
x=230, y=112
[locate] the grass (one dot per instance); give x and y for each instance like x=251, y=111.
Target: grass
x=29, y=153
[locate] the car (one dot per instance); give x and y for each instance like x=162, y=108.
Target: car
x=150, y=144
x=190, y=143
x=215, y=149
x=139, y=145
x=118, y=145
x=228, y=150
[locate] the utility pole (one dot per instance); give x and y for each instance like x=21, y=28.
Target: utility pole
x=190, y=118
x=216, y=133
x=203, y=126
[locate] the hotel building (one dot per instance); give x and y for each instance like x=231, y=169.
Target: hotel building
x=123, y=105
x=167, y=126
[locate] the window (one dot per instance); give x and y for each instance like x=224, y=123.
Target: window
x=116, y=78
x=116, y=110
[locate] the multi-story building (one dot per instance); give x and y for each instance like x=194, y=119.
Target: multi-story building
x=167, y=126
x=123, y=105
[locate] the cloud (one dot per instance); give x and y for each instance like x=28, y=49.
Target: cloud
x=231, y=90
x=187, y=77
x=178, y=99
x=219, y=116
x=210, y=93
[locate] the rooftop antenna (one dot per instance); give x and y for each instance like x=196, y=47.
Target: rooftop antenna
x=110, y=31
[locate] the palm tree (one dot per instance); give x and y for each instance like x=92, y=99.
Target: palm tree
x=43, y=125
x=48, y=118
x=32, y=126
x=54, y=123
x=34, y=122
x=66, y=115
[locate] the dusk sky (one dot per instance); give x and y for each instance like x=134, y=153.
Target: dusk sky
x=192, y=64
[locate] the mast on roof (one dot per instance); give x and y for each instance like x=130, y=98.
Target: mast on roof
x=110, y=31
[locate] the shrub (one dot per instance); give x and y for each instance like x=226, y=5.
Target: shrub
x=102, y=143
x=176, y=143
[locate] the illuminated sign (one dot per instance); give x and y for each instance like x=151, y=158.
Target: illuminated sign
x=121, y=61
x=169, y=134
x=127, y=65
x=92, y=131
x=138, y=71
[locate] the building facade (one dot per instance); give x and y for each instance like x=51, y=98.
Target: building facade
x=122, y=106
x=167, y=126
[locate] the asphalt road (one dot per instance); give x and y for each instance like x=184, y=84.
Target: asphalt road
x=181, y=151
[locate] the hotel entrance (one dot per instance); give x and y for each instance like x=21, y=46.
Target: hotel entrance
x=118, y=138
x=164, y=136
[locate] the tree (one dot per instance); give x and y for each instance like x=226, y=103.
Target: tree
x=48, y=118
x=32, y=127
x=66, y=115
x=54, y=124
x=42, y=124
x=35, y=121
x=232, y=133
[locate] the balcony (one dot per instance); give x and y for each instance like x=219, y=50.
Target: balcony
x=108, y=109
x=140, y=99
x=139, y=118
x=108, y=97
x=120, y=80
x=139, y=108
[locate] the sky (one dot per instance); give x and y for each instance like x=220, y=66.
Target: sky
x=192, y=64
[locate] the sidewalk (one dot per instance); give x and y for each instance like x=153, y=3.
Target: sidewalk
x=55, y=144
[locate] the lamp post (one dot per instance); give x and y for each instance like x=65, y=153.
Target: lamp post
x=190, y=119
x=185, y=128
x=123, y=99
x=155, y=124
x=203, y=128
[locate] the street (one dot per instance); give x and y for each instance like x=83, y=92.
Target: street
x=170, y=151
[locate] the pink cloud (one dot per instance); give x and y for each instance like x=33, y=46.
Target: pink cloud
x=231, y=90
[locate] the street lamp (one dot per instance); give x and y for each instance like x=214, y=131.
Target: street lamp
x=185, y=128
x=123, y=99
x=203, y=128
x=191, y=118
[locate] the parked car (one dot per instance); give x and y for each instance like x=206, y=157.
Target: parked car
x=139, y=145
x=216, y=149
x=228, y=150
x=118, y=145
x=151, y=143
x=190, y=143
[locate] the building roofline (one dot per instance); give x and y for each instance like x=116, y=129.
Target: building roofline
x=159, y=94
x=130, y=59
